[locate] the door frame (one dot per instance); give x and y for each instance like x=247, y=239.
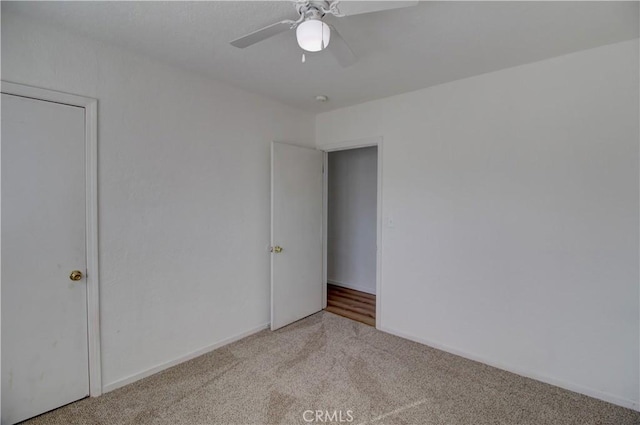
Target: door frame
x=90, y=106
x=341, y=146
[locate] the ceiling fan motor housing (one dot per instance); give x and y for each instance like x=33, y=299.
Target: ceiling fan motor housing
x=313, y=8
x=312, y=34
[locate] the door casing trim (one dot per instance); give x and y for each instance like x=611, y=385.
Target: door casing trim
x=90, y=106
x=347, y=145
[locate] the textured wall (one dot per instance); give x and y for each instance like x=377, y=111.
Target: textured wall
x=514, y=197
x=183, y=193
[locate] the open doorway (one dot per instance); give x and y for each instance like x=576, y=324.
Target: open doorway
x=352, y=232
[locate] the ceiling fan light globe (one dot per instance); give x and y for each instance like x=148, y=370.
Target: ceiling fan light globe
x=313, y=35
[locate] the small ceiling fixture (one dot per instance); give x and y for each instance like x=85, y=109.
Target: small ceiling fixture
x=321, y=98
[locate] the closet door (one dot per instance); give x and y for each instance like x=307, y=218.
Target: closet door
x=44, y=296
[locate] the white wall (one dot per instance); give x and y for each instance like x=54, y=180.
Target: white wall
x=183, y=193
x=351, y=215
x=515, y=201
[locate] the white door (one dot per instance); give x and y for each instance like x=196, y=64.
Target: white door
x=44, y=312
x=296, y=227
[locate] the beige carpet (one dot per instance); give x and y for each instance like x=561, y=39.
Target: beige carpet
x=330, y=363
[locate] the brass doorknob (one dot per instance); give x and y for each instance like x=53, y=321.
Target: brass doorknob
x=75, y=275
x=277, y=249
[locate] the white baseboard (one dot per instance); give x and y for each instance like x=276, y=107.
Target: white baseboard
x=619, y=401
x=148, y=372
x=350, y=286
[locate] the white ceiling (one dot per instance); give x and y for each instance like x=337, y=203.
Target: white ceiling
x=399, y=51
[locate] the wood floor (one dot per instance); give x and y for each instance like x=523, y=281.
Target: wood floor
x=354, y=305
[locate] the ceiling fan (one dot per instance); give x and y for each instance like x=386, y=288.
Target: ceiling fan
x=313, y=33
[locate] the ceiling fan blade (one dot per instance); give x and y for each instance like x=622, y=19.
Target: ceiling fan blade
x=262, y=34
x=350, y=8
x=340, y=49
